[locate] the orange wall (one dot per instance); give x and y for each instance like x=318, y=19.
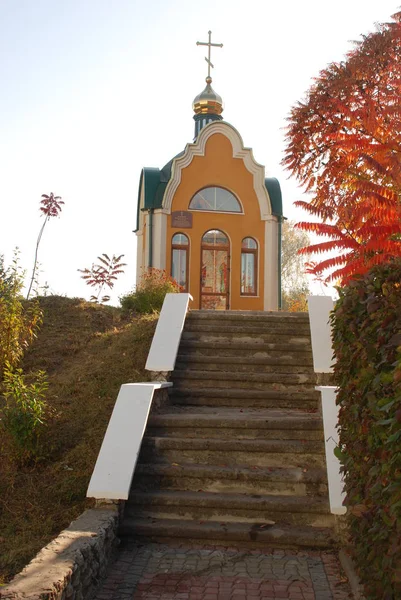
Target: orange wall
x=219, y=168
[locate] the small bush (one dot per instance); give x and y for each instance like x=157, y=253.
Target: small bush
x=367, y=344
x=19, y=320
x=25, y=412
x=148, y=297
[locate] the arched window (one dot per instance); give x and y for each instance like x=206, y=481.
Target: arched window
x=215, y=199
x=249, y=267
x=179, y=259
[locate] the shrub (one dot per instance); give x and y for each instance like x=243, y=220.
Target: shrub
x=149, y=295
x=24, y=414
x=19, y=320
x=367, y=344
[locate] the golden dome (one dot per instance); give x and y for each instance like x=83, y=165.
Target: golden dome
x=208, y=102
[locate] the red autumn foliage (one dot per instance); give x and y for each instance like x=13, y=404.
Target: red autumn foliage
x=51, y=205
x=103, y=273
x=344, y=147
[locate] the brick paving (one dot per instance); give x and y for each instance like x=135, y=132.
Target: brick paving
x=161, y=572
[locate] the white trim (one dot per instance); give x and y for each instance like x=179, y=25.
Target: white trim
x=239, y=151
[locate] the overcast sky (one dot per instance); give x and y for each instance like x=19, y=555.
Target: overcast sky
x=93, y=90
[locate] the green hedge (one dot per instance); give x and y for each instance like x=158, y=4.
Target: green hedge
x=367, y=344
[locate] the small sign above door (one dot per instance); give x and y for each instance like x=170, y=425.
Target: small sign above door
x=181, y=219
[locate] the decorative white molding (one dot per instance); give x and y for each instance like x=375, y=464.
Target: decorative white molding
x=239, y=151
x=331, y=440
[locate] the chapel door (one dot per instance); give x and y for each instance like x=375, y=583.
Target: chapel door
x=215, y=271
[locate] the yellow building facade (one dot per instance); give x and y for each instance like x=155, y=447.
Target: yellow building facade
x=211, y=219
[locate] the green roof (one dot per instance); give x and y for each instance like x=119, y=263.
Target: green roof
x=274, y=190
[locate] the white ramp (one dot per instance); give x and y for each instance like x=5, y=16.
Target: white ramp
x=164, y=348
x=319, y=310
x=334, y=476
x=116, y=462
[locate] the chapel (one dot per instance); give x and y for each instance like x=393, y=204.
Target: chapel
x=211, y=218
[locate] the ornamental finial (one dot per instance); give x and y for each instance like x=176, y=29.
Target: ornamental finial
x=207, y=59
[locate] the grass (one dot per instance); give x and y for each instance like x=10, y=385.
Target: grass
x=88, y=351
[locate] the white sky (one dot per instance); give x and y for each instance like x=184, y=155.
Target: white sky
x=93, y=90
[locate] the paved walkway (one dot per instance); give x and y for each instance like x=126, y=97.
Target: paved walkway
x=160, y=572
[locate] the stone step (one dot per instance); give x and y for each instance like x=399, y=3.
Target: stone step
x=211, y=478
x=229, y=507
x=247, y=316
x=252, y=535
x=246, y=349
x=227, y=423
x=258, y=381
x=240, y=364
x=268, y=397
x=285, y=333
x=248, y=325
x=233, y=452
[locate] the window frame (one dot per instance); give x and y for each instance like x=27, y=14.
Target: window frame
x=222, y=247
x=210, y=210
x=254, y=252
x=185, y=247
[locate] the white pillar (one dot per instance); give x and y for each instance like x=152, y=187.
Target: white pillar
x=159, y=239
x=271, y=264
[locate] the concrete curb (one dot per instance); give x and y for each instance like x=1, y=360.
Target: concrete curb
x=73, y=564
x=354, y=581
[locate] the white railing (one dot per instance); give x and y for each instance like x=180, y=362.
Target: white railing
x=114, y=469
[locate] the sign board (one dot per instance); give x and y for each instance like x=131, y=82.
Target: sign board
x=181, y=219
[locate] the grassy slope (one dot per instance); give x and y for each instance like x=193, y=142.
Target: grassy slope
x=88, y=351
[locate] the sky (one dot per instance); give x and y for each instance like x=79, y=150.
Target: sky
x=94, y=90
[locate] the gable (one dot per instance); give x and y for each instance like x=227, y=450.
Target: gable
x=252, y=171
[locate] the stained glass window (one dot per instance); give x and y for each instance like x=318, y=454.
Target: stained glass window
x=215, y=199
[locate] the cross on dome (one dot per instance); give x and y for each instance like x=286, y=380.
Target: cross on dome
x=209, y=44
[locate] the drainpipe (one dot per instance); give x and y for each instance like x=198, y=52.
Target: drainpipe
x=280, y=300
x=150, y=234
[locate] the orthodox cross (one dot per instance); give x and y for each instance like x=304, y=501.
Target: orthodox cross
x=209, y=44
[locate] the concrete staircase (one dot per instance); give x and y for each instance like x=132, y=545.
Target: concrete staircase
x=238, y=455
